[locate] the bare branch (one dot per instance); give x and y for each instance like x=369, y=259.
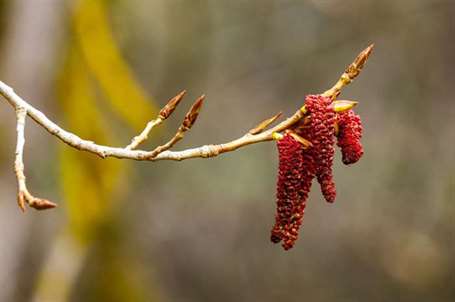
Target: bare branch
x=203, y=151
x=255, y=135
x=107, y=151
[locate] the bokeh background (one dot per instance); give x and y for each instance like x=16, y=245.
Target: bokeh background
x=198, y=230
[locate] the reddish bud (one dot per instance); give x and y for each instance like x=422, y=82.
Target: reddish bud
x=171, y=105
x=193, y=113
x=42, y=204
x=354, y=69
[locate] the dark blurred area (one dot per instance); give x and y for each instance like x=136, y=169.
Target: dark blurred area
x=198, y=230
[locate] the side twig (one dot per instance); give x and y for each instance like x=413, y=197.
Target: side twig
x=188, y=122
x=24, y=197
x=162, y=116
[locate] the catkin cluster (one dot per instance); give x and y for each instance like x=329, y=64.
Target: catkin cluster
x=299, y=165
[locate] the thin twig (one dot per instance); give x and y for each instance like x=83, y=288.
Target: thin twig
x=137, y=140
x=188, y=122
x=162, y=116
x=24, y=197
x=19, y=162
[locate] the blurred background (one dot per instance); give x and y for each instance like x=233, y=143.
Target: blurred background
x=198, y=230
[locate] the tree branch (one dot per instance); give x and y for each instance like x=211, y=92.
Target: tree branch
x=255, y=135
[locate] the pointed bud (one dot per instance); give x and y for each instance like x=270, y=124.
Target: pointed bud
x=171, y=105
x=42, y=204
x=354, y=69
x=343, y=105
x=305, y=143
x=277, y=136
x=363, y=56
x=21, y=201
x=193, y=113
x=264, y=124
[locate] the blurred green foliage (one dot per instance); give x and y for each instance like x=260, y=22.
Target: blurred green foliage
x=95, y=79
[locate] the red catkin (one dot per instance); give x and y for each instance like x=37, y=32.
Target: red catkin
x=349, y=135
x=322, y=128
x=288, y=184
x=298, y=166
x=308, y=170
x=295, y=173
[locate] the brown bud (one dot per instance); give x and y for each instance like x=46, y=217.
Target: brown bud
x=21, y=201
x=171, y=105
x=42, y=204
x=354, y=69
x=191, y=116
x=264, y=124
